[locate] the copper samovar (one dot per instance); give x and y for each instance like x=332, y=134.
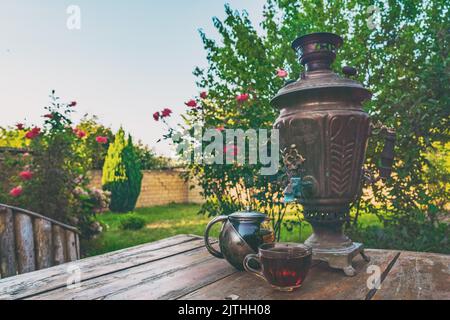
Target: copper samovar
x=323, y=136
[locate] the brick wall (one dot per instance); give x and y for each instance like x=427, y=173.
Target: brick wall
x=160, y=187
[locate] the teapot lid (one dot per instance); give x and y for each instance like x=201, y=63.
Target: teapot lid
x=248, y=215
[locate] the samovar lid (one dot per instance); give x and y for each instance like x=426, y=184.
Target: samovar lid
x=316, y=52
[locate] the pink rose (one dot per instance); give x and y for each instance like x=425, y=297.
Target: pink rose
x=242, y=97
x=101, y=140
x=156, y=116
x=166, y=112
x=204, y=95
x=16, y=192
x=26, y=175
x=281, y=73
x=191, y=103
x=33, y=133
x=79, y=133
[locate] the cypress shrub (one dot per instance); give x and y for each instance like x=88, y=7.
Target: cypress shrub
x=122, y=174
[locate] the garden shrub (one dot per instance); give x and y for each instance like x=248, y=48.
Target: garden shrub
x=122, y=174
x=132, y=222
x=51, y=177
x=413, y=236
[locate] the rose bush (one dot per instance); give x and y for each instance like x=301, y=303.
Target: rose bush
x=51, y=178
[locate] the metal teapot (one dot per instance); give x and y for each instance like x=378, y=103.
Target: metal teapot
x=242, y=233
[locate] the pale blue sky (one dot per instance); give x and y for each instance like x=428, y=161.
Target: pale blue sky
x=130, y=58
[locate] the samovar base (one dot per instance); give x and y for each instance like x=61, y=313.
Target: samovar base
x=341, y=258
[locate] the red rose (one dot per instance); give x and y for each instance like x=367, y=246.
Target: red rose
x=156, y=116
x=242, y=97
x=191, y=103
x=166, y=112
x=281, y=73
x=102, y=140
x=20, y=126
x=26, y=175
x=73, y=104
x=79, y=133
x=49, y=116
x=33, y=133
x=16, y=192
x=204, y=95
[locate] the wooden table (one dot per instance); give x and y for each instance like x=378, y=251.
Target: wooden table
x=181, y=268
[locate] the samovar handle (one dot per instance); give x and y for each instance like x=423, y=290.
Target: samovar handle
x=208, y=245
x=387, y=154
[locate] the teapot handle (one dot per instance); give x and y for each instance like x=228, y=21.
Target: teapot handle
x=210, y=249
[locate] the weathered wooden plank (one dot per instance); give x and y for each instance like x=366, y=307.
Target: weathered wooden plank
x=71, y=245
x=24, y=243
x=59, y=245
x=167, y=278
x=56, y=277
x=43, y=243
x=417, y=276
x=77, y=245
x=8, y=264
x=322, y=283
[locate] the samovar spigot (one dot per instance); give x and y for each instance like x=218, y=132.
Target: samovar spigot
x=297, y=188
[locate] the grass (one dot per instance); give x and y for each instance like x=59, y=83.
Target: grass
x=169, y=220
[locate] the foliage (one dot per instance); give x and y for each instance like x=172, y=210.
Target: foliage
x=51, y=176
x=122, y=175
x=149, y=160
x=10, y=138
x=132, y=222
x=415, y=236
x=95, y=152
x=404, y=61
x=11, y=164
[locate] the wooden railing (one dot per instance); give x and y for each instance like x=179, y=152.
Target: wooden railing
x=30, y=241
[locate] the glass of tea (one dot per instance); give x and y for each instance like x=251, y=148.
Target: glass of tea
x=283, y=265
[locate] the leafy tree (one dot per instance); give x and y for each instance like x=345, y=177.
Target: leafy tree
x=403, y=60
x=122, y=174
x=149, y=160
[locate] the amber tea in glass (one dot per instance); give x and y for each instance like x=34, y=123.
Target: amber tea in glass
x=283, y=265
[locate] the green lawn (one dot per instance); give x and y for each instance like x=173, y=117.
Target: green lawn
x=170, y=220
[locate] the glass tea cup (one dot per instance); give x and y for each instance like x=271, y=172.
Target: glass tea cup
x=283, y=265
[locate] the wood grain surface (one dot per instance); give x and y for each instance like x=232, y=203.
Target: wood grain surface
x=180, y=268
